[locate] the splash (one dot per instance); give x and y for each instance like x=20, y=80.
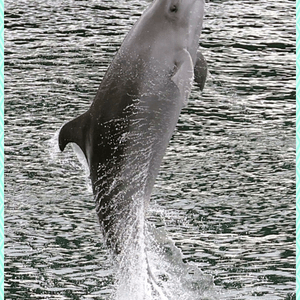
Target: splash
x=53, y=148
x=151, y=268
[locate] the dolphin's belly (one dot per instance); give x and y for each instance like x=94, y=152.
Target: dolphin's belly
x=151, y=125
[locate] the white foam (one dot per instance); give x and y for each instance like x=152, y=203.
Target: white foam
x=152, y=268
x=53, y=148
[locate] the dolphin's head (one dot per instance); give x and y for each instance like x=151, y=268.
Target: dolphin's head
x=183, y=12
x=186, y=17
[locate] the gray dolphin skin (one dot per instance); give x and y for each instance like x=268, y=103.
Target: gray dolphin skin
x=125, y=133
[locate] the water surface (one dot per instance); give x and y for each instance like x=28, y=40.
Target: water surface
x=226, y=190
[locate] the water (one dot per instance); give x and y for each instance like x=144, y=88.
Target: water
x=225, y=195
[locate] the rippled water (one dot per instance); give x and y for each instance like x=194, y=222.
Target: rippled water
x=226, y=191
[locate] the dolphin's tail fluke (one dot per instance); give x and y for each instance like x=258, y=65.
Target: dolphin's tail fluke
x=75, y=131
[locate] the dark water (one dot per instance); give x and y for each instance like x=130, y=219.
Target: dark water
x=226, y=190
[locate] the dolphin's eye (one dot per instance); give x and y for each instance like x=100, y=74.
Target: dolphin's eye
x=173, y=8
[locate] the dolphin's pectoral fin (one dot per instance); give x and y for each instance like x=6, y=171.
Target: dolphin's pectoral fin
x=184, y=74
x=200, y=70
x=75, y=131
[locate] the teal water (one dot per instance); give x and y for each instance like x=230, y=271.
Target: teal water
x=225, y=194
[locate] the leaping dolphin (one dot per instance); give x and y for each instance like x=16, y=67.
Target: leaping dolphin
x=125, y=133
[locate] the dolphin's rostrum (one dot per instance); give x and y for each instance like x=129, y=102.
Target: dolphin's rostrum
x=126, y=131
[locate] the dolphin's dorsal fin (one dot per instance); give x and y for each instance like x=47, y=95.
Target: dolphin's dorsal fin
x=200, y=71
x=75, y=131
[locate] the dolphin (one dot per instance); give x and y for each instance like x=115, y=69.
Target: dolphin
x=127, y=128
